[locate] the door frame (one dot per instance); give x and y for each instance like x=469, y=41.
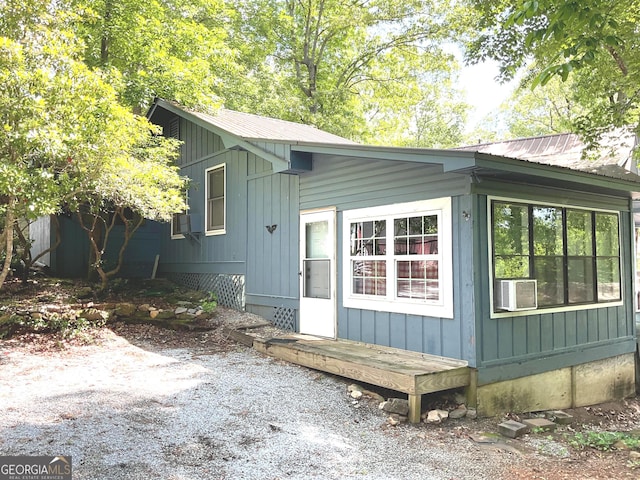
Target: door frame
x=308, y=216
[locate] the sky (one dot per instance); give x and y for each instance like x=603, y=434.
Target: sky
x=483, y=92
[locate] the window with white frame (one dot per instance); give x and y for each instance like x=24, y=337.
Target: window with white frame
x=572, y=253
x=215, y=192
x=398, y=258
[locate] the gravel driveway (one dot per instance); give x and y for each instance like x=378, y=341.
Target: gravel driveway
x=144, y=412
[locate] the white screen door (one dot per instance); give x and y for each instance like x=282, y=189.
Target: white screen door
x=318, y=273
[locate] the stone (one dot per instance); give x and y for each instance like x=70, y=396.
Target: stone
x=541, y=424
x=165, y=315
x=125, y=309
x=459, y=412
x=633, y=455
x=84, y=292
x=180, y=310
x=36, y=315
x=144, y=307
x=436, y=416
x=560, y=417
x=356, y=394
x=396, y=405
x=354, y=387
x=512, y=429
x=393, y=419
x=373, y=395
x=93, y=314
x=153, y=313
x=472, y=413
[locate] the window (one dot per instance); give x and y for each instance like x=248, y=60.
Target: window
x=574, y=254
x=178, y=221
x=398, y=258
x=215, y=195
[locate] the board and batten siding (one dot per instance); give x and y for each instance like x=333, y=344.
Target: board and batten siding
x=211, y=253
x=255, y=198
x=527, y=344
x=348, y=183
x=272, y=258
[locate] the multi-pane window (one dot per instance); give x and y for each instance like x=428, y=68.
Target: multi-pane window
x=574, y=254
x=395, y=254
x=215, y=195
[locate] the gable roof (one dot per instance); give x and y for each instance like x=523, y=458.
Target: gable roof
x=613, y=159
x=255, y=127
x=290, y=148
x=251, y=127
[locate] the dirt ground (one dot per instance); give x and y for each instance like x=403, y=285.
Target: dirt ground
x=540, y=455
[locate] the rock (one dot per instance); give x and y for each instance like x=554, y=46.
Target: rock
x=125, y=309
x=356, y=394
x=512, y=429
x=153, y=313
x=436, y=416
x=353, y=387
x=180, y=310
x=373, y=395
x=144, y=307
x=472, y=413
x=541, y=424
x=192, y=311
x=560, y=417
x=633, y=455
x=36, y=315
x=460, y=398
x=459, y=412
x=84, y=292
x=165, y=315
x=394, y=419
x=396, y=405
x=620, y=445
x=93, y=314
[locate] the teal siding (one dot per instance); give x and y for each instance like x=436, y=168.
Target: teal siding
x=272, y=258
x=514, y=346
x=348, y=183
x=255, y=198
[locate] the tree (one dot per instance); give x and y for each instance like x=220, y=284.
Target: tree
x=64, y=137
x=172, y=49
x=545, y=110
x=594, y=41
x=352, y=68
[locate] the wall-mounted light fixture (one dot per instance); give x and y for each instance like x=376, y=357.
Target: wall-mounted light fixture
x=271, y=228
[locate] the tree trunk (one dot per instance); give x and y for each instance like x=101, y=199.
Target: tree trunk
x=8, y=231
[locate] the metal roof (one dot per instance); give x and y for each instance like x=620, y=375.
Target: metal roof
x=614, y=157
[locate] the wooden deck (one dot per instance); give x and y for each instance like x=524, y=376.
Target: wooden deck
x=409, y=372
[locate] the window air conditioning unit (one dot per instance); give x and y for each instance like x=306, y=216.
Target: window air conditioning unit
x=515, y=295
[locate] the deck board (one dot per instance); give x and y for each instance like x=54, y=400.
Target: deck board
x=412, y=373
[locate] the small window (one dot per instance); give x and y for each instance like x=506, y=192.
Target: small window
x=178, y=220
x=215, y=203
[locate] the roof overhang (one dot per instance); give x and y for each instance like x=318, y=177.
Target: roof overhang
x=280, y=162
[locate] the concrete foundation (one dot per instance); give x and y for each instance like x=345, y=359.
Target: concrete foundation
x=580, y=385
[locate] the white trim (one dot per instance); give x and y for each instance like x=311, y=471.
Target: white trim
x=223, y=230
x=542, y=311
x=443, y=308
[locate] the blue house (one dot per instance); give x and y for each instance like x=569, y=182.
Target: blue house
x=520, y=268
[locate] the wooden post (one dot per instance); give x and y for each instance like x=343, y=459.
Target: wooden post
x=471, y=391
x=415, y=408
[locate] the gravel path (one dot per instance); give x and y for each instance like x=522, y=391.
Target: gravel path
x=124, y=412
